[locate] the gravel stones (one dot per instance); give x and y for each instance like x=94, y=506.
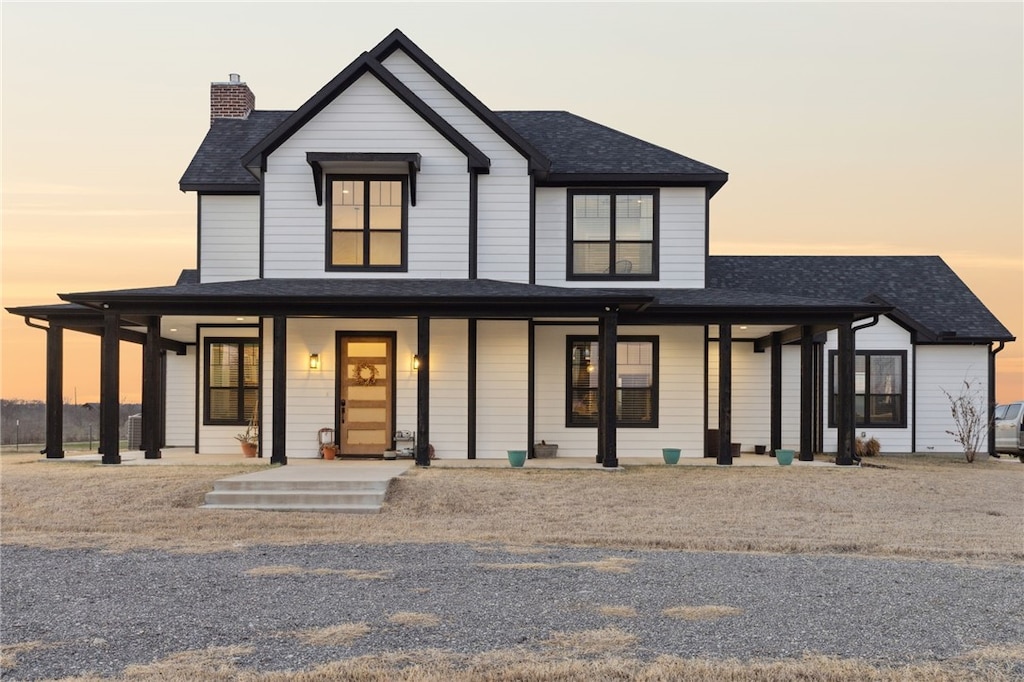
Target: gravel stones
x=100, y=612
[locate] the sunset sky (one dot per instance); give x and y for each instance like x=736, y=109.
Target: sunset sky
x=848, y=129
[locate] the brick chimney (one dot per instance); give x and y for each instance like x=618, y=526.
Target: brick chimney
x=233, y=99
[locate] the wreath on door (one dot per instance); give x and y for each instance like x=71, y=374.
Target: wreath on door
x=365, y=374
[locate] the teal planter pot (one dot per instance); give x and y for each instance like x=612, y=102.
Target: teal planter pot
x=670, y=455
x=517, y=458
x=784, y=457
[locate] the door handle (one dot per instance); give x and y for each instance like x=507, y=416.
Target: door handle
x=342, y=411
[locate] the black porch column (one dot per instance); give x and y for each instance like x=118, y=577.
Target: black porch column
x=152, y=389
x=776, y=392
x=806, y=394
x=110, y=380
x=991, y=397
x=845, y=408
x=280, y=390
x=608, y=421
x=724, y=394
x=54, y=392
x=423, y=392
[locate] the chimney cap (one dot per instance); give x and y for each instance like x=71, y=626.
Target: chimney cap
x=234, y=78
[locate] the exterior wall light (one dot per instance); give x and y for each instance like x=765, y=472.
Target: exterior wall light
x=314, y=361
x=415, y=363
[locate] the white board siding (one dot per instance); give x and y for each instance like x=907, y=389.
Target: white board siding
x=502, y=398
x=449, y=367
x=886, y=335
x=680, y=234
x=180, y=399
x=218, y=440
x=367, y=117
x=503, y=223
x=680, y=394
x=946, y=367
x=229, y=234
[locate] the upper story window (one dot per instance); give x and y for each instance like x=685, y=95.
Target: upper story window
x=613, y=235
x=232, y=380
x=367, y=223
x=880, y=387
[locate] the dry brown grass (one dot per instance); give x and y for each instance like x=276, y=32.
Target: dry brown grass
x=290, y=569
x=590, y=642
x=606, y=565
x=9, y=652
x=558, y=665
x=935, y=508
x=335, y=635
x=413, y=619
x=613, y=611
x=706, y=612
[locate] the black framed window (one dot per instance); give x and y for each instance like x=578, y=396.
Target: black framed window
x=613, y=234
x=636, y=380
x=367, y=223
x=880, y=388
x=231, y=381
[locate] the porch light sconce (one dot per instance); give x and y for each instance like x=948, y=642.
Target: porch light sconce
x=415, y=363
x=314, y=361
x=590, y=367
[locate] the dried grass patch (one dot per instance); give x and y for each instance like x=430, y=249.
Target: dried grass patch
x=707, y=612
x=335, y=635
x=606, y=565
x=213, y=663
x=918, y=507
x=583, y=642
x=414, y=620
x=617, y=611
x=9, y=652
x=291, y=569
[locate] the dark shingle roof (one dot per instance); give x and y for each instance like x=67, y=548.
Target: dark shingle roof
x=579, y=146
x=217, y=162
x=575, y=146
x=923, y=289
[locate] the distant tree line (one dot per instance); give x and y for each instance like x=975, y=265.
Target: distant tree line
x=24, y=421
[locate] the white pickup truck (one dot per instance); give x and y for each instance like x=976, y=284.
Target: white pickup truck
x=1009, y=425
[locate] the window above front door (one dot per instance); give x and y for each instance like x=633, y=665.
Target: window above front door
x=367, y=223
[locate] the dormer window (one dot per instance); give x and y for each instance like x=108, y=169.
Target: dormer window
x=367, y=223
x=613, y=234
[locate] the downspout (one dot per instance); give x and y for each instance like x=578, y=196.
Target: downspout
x=28, y=321
x=992, y=397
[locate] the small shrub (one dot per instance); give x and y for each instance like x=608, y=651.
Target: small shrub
x=969, y=419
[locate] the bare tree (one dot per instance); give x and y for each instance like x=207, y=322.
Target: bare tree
x=970, y=418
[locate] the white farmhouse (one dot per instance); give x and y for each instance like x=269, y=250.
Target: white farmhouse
x=397, y=262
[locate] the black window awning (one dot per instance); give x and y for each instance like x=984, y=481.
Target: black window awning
x=358, y=162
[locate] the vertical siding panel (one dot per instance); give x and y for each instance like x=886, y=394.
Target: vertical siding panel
x=180, y=405
x=946, y=367
x=230, y=238
x=502, y=387
x=448, y=375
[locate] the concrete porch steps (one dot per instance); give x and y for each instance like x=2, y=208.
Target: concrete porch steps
x=329, y=487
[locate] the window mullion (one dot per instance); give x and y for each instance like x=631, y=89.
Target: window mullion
x=366, y=222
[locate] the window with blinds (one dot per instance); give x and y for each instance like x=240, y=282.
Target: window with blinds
x=613, y=235
x=636, y=381
x=231, y=381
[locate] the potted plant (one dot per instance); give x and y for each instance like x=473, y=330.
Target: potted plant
x=329, y=450
x=250, y=438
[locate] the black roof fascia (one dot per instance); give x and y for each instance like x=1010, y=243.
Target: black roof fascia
x=213, y=188
x=712, y=181
x=476, y=159
x=788, y=315
x=397, y=40
x=88, y=320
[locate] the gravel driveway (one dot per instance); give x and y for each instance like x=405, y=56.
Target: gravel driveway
x=106, y=611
